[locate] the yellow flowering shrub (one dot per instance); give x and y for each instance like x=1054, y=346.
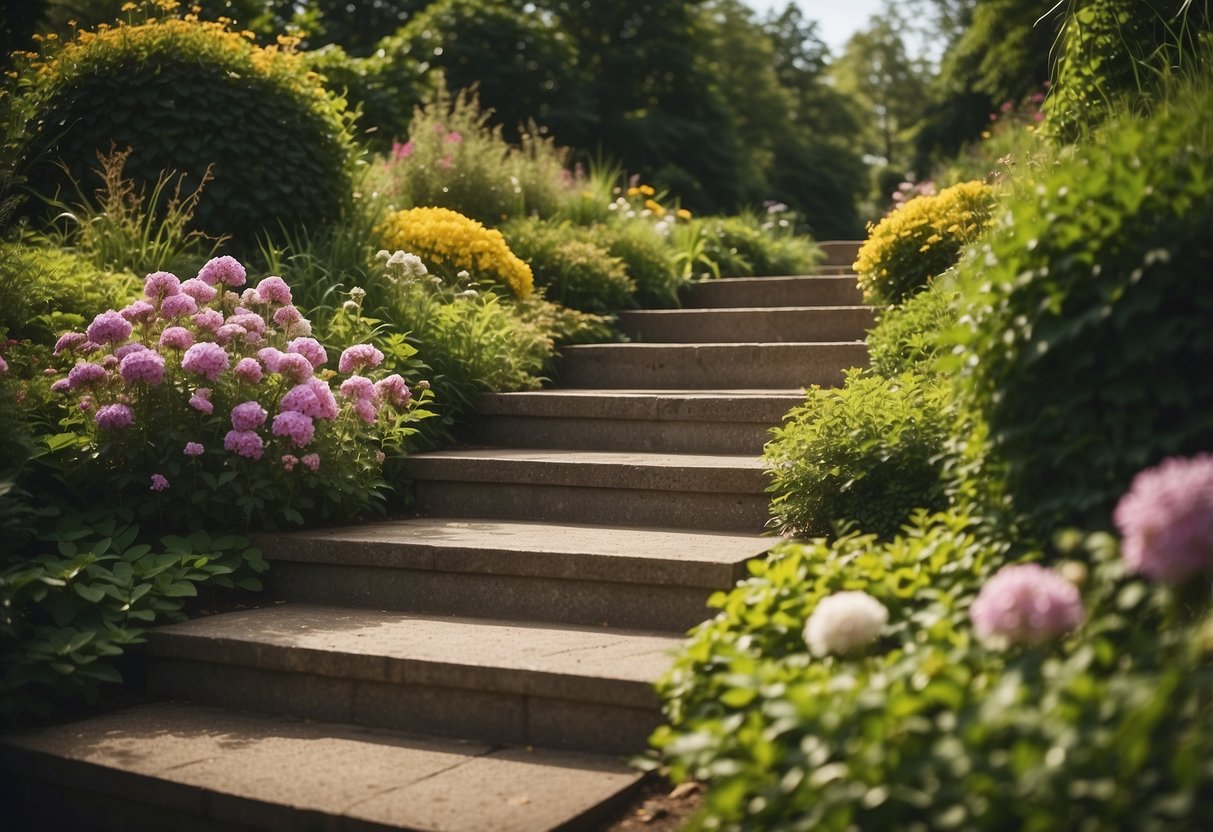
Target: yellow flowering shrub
x=450, y=242
x=920, y=240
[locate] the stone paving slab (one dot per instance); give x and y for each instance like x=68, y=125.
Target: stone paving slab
x=827, y=289
x=264, y=772
x=769, y=325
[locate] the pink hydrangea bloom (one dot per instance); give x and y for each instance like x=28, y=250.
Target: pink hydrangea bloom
x=227, y=333
x=109, y=362
x=161, y=285
x=201, y=401
x=297, y=426
x=139, y=311
x=126, y=349
x=159, y=482
x=312, y=461
x=142, y=365
x=312, y=398
x=87, y=403
x=270, y=358
x=1025, y=604
x=178, y=306
x=109, y=327
x=176, y=338
x=310, y=349
x=392, y=389
x=246, y=443
x=85, y=373
x=247, y=369
x=1166, y=519
x=225, y=270
x=289, y=461
x=294, y=366
x=209, y=319
x=359, y=356
x=114, y=417
x=205, y=359
x=61, y=386
x=287, y=316
x=194, y=449
x=199, y=291
x=274, y=290
x=358, y=387
x=69, y=341
x=248, y=415
x=365, y=410
x=251, y=321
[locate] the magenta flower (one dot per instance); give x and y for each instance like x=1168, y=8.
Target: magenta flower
x=270, y=357
x=114, y=417
x=297, y=426
x=109, y=327
x=311, y=461
x=126, y=349
x=109, y=362
x=201, y=401
x=227, y=333
x=225, y=270
x=85, y=373
x=247, y=369
x=61, y=386
x=402, y=151
x=248, y=415
x=358, y=387
x=365, y=410
x=1166, y=519
x=199, y=291
x=359, y=356
x=250, y=321
x=194, y=449
x=454, y=137
x=69, y=341
x=205, y=359
x=274, y=290
x=289, y=461
x=310, y=349
x=1025, y=604
x=139, y=312
x=312, y=398
x=142, y=365
x=294, y=366
x=161, y=285
x=209, y=319
x=287, y=316
x=392, y=389
x=246, y=443
x=159, y=482
x=176, y=338
x=86, y=403
x=178, y=306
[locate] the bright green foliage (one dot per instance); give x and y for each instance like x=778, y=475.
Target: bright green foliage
x=383, y=89
x=186, y=95
x=1116, y=53
x=1089, y=347
x=1107, y=728
x=920, y=240
x=647, y=256
x=91, y=587
x=44, y=291
x=575, y=271
x=747, y=245
x=907, y=337
x=867, y=454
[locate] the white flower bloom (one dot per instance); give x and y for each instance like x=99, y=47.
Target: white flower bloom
x=462, y=274
x=843, y=622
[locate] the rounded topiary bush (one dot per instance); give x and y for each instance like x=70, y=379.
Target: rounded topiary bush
x=920, y=240
x=575, y=271
x=1089, y=348
x=867, y=454
x=187, y=94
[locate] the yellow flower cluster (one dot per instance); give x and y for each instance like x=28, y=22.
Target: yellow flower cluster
x=449, y=240
x=920, y=240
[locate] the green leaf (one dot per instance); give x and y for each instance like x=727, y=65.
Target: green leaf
x=91, y=593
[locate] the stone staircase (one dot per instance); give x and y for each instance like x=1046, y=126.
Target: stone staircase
x=489, y=664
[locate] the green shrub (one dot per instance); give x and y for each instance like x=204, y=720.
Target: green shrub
x=186, y=95
x=573, y=270
x=1087, y=310
x=920, y=240
x=647, y=256
x=1106, y=728
x=865, y=455
x=908, y=337
x=746, y=246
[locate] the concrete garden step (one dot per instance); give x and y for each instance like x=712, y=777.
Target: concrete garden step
x=697, y=491
x=710, y=366
x=781, y=324
x=804, y=290
x=496, y=681
x=169, y=766
x=662, y=421
x=616, y=575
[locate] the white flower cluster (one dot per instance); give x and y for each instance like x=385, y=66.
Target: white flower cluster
x=402, y=266
x=843, y=622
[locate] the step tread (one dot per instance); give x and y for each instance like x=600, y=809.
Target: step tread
x=765, y=406
x=790, y=311
x=559, y=661
x=281, y=773
x=510, y=547
x=634, y=459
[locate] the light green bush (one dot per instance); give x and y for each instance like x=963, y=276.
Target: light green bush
x=573, y=270
x=909, y=337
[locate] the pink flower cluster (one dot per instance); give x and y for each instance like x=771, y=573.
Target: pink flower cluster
x=1166, y=520
x=1025, y=604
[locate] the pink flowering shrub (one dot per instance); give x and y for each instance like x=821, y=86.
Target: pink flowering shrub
x=1166, y=519
x=1025, y=604
x=206, y=394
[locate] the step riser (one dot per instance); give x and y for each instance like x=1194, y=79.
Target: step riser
x=706, y=367
x=824, y=290
x=627, y=605
x=562, y=504
x=722, y=326
x=486, y=716
x=840, y=253
x=624, y=435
